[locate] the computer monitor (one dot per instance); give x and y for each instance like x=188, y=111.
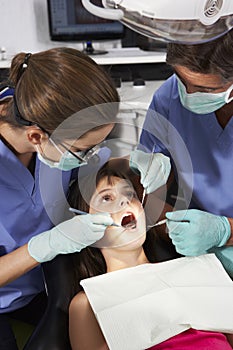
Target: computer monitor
x=69, y=21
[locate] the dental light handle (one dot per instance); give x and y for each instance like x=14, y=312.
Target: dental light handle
x=112, y=14
x=187, y=22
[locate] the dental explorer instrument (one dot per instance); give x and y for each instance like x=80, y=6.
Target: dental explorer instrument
x=161, y=222
x=147, y=171
x=85, y=213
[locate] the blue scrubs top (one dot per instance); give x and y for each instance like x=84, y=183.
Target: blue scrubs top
x=28, y=206
x=200, y=150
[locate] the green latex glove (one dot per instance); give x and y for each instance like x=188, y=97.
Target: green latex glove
x=225, y=255
x=68, y=237
x=193, y=231
x=154, y=169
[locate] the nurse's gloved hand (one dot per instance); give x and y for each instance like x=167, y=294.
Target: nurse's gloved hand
x=225, y=255
x=154, y=169
x=68, y=237
x=194, y=232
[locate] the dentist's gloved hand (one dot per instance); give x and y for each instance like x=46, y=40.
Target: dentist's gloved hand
x=199, y=232
x=225, y=255
x=154, y=171
x=68, y=237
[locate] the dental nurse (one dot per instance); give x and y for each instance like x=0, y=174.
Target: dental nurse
x=197, y=102
x=43, y=91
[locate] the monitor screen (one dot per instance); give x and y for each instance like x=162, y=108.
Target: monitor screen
x=70, y=21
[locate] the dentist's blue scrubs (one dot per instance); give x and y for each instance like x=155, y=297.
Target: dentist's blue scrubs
x=29, y=205
x=200, y=150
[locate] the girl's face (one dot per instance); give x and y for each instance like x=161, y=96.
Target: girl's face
x=119, y=198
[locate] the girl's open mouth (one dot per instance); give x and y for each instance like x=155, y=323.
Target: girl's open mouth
x=129, y=221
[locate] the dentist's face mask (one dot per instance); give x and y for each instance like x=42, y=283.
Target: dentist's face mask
x=203, y=102
x=69, y=160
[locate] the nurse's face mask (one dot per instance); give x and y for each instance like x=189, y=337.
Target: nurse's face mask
x=203, y=102
x=70, y=160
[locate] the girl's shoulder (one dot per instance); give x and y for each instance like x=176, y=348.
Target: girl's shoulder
x=80, y=301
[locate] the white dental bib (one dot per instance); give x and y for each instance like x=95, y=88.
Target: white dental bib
x=142, y=306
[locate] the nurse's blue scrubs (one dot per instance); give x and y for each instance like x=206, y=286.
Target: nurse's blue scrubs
x=28, y=205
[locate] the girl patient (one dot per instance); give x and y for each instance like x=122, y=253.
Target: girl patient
x=121, y=247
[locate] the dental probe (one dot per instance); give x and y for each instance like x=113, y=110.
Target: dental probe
x=161, y=222
x=143, y=196
x=147, y=171
x=85, y=213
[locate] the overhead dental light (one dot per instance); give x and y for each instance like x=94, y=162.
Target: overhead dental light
x=183, y=21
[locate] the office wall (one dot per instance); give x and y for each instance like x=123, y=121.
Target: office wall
x=24, y=27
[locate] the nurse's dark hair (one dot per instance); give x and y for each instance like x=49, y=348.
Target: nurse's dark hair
x=57, y=83
x=213, y=57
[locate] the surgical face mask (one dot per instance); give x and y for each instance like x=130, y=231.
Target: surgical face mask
x=203, y=102
x=70, y=160
x=66, y=162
